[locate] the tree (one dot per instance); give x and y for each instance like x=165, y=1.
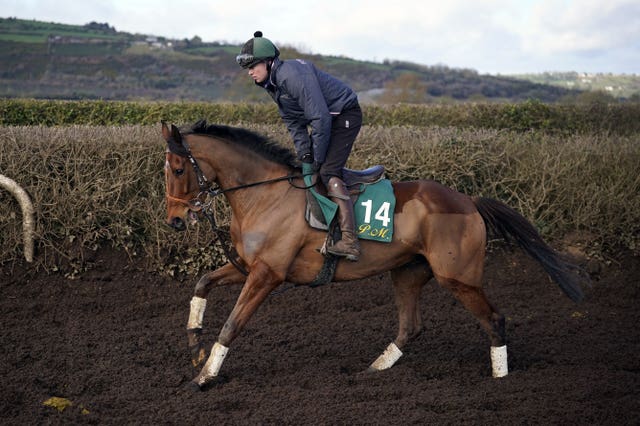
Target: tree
x=96, y=26
x=406, y=88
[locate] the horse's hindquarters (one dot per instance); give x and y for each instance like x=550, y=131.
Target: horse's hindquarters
x=456, y=247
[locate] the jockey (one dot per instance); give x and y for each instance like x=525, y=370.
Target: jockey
x=307, y=97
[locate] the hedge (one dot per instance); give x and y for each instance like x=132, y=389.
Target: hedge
x=620, y=119
x=97, y=185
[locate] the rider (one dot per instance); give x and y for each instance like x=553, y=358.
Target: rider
x=307, y=96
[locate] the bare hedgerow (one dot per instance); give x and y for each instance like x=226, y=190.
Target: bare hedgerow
x=94, y=186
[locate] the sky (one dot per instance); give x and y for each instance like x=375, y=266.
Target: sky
x=498, y=37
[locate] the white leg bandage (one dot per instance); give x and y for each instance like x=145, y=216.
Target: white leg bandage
x=213, y=364
x=196, y=313
x=388, y=358
x=499, y=362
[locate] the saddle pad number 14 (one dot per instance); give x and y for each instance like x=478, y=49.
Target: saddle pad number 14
x=374, y=212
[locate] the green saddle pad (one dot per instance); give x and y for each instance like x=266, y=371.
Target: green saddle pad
x=373, y=210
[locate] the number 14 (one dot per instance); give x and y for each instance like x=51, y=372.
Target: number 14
x=382, y=214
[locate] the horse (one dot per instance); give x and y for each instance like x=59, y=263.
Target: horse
x=437, y=233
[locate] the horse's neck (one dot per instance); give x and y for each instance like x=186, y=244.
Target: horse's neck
x=259, y=197
x=235, y=166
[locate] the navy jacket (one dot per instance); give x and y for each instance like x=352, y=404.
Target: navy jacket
x=307, y=96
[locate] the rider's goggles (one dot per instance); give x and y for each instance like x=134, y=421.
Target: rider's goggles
x=246, y=60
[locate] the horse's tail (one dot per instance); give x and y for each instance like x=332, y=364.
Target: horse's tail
x=513, y=227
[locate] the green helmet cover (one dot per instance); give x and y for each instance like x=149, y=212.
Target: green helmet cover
x=256, y=50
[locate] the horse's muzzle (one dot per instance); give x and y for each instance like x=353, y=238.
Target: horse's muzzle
x=177, y=223
x=180, y=224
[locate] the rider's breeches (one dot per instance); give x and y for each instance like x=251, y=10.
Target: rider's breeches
x=344, y=129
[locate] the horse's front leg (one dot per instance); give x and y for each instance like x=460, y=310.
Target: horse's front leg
x=260, y=282
x=225, y=275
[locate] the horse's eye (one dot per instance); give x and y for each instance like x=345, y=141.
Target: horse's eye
x=178, y=172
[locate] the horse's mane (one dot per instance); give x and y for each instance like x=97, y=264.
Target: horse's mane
x=257, y=143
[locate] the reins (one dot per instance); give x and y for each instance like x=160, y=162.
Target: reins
x=290, y=178
x=205, y=207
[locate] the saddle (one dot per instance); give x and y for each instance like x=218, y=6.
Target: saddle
x=355, y=180
x=367, y=176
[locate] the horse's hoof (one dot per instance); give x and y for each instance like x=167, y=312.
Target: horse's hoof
x=364, y=376
x=196, y=348
x=365, y=373
x=198, y=356
x=208, y=383
x=193, y=386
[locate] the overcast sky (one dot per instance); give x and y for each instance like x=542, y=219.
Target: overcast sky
x=490, y=36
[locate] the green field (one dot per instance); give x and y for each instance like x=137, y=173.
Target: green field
x=38, y=32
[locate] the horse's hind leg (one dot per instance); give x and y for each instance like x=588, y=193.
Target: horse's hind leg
x=408, y=281
x=475, y=301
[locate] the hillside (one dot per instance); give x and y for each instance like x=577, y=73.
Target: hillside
x=95, y=61
x=618, y=86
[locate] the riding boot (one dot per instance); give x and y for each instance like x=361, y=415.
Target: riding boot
x=348, y=246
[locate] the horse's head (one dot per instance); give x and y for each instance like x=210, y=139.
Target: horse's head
x=181, y=183
x=227, y=156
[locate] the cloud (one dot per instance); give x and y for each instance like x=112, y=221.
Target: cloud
x=495, y=36
x=589, y=25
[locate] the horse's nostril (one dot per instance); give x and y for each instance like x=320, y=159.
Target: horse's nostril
x=177, y=224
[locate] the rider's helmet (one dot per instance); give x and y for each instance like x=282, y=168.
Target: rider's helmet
x=256, y=50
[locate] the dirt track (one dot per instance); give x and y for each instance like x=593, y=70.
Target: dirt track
x=113, y=343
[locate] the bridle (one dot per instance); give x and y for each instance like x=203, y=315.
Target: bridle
x=204, y=200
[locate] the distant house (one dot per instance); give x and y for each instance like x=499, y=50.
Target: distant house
x=155, y=43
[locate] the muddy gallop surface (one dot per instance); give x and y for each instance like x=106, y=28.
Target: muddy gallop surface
x=111, y=345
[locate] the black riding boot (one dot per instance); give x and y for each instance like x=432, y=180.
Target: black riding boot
x=348, y=246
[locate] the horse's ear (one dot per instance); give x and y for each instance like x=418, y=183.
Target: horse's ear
x=166, y=134
x=200, y=126
x=174, y=140
x=175, y=134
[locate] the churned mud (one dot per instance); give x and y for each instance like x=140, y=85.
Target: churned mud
x=111, y=345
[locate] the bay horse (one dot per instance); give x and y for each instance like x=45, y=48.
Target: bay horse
x=438, y=233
